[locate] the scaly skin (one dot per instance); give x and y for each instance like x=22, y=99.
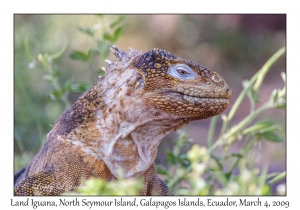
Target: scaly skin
x=119, y=122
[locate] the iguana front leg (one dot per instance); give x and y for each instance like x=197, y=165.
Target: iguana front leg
x=60, y=172
x=153, y=184
x=46, y=183
x=42, y=183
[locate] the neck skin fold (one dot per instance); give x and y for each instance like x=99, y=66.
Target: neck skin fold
x=125, y=132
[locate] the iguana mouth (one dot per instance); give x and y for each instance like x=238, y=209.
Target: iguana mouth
x=189, y=97
x=176, y=97
x=200, y=94
x=180, y=103
x=206, y=100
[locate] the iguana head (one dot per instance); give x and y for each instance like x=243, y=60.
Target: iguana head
x=174, y=85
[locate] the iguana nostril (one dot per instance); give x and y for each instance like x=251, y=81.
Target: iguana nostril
x=229, y=92
x=215, y=78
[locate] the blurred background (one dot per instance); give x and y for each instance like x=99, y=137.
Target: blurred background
x=235, y=46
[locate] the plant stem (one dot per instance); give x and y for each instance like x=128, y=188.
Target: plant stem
x=244, y=150
x=19, y=141
x=246, y=120
x=225, y=154
x=224, y=125
x=31, y=107
x=102, y=38
x=259, y=76
x=211, y=130
x=233, y=131
x=188, y=169
x=93, y=68
x=57, y=87
x=179, y=177
x=264, y=70
x=27, y=50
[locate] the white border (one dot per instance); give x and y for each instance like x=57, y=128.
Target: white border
x=117, y=6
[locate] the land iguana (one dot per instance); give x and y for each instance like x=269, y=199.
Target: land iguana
x=119, y=122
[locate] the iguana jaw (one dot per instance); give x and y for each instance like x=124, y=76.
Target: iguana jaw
x=191, y=103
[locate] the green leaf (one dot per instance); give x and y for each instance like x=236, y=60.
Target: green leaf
x=108, y=37
x=171, y=159
x=67, y=86
x=262, y=177
x=265, y=123
x=183, y=157
x=118, y=33
x=228, y=175
x=103, y=47
x=254, y=95
x=181, y=191
x=48, y=78
x=280, y=103
x=266, y=190
x=161, y=170
x=78, y=55
x=217, y=159
x=60, y=52
x=272, y=175
x=116, y=22
x=80, y=87
x=100, y=72
x=93, y=51
x=281, y=106
x=88, y=31
x=219, y=175
x=45, y=60
x=182, y=138
x=258, y=126
x=203, y=192
x=56, y=73
x=27, y=50
x=56, y=94
x=272, y=136
x=277, y=178
x=238, y=155
x=183, y=160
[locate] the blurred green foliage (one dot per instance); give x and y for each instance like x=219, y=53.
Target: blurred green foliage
x=222, y=42
x=116, y=187
x=104, y=34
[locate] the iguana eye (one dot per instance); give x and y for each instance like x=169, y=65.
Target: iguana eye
x=182, y=71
